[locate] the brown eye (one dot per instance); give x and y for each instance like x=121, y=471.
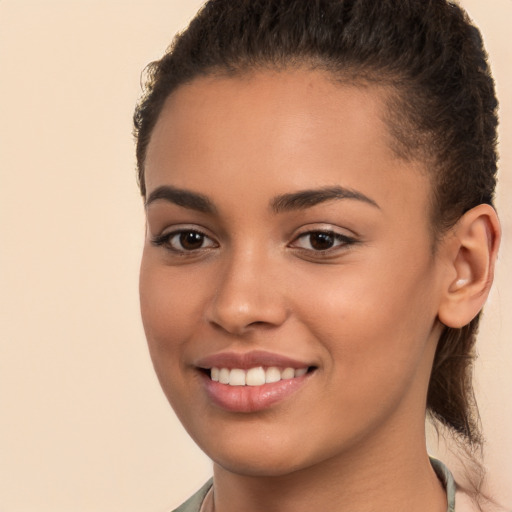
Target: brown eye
x=184, y=241
x=191, y=240
x=321, y=241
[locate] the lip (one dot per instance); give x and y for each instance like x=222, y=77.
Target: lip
x=246, y=360
x=247, y=399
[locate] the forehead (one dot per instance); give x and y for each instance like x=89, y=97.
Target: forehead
x=295, y=104
x=290, y=129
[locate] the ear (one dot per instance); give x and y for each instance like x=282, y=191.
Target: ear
x=470, y=251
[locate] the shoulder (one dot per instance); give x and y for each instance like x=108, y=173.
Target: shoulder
x=468, y=503
x=193, y=504
x=458, y=500
x=465, y=503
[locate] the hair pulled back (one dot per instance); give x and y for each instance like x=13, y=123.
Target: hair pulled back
x=441, y=110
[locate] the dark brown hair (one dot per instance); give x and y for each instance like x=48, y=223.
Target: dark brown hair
x=442, y=110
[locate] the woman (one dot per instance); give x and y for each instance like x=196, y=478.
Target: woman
x=318, y=179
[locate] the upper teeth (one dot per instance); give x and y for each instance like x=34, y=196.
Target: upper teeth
x=254, y=376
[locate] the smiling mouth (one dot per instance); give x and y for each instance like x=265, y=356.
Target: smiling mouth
x=256, y=376
x=252, y=382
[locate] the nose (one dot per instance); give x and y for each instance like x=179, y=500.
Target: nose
x=248, y=295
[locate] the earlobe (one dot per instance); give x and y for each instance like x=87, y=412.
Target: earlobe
x=470, y=253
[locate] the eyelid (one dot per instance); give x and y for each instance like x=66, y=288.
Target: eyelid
x=178, y=227
x=345, y=240
x=334, y=234
x=164, y=238
x=326, y=228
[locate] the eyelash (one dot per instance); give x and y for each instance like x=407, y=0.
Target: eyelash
x=338, y=240
x=164, y=240
x=344, y=241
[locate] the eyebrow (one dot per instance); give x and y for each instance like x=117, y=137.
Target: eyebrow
x=308, y=198
x=286, y=202
x=181, y=197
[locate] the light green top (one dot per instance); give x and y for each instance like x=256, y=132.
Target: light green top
x=193, y=504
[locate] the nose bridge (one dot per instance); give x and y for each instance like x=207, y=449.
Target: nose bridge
x=247, y=293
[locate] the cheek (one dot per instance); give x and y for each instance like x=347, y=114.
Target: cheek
x=168, y=321
x=167, y=305
x=374, y=323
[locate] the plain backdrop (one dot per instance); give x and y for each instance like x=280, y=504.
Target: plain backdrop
x=83, y=424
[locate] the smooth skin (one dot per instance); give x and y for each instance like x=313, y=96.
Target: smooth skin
x=349, y=285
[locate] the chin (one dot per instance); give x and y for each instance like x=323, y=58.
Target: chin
x=252, y=455
x=259, y=467
x=263, y=455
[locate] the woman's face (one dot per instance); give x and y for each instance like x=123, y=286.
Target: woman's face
x=286, y=239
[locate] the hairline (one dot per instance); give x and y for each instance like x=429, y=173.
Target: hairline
x=393, y=86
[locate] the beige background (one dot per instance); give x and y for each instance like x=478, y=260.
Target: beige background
x=83, y=423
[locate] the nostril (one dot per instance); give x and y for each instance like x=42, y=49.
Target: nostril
x=240, y=323
x=259, y=323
